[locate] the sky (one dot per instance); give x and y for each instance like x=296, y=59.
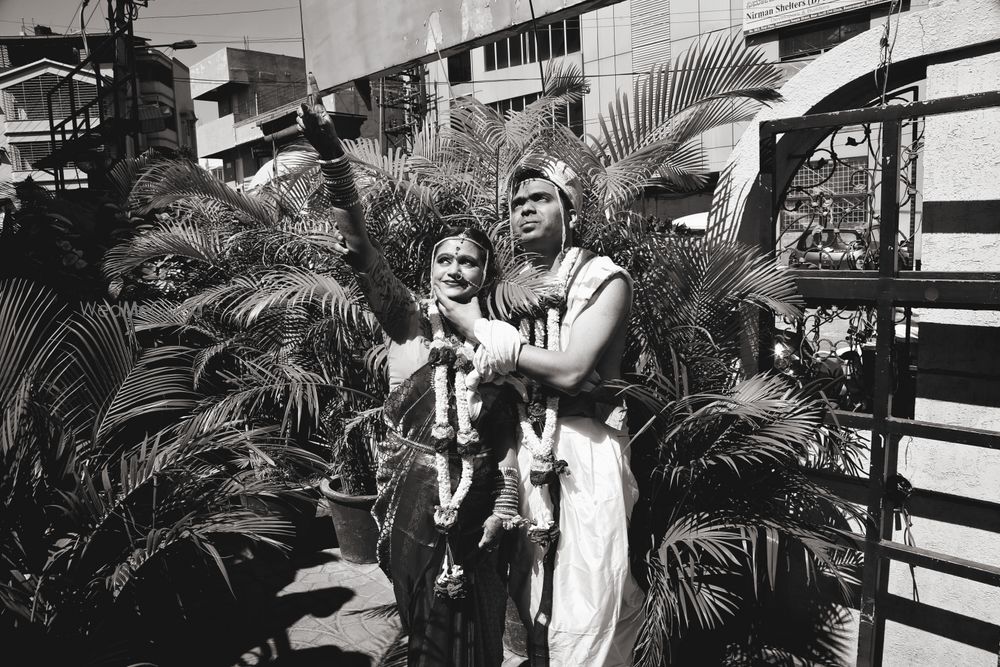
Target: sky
x=268, y=25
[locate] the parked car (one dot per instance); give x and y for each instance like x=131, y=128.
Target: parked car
x=844, y=249
x=829, y=248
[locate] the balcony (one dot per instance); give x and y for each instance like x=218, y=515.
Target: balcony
x=223, y=134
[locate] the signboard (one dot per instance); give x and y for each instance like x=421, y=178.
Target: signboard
x=353, y=39
x=761, y=15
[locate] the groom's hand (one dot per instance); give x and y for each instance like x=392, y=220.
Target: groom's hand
x=462, y=316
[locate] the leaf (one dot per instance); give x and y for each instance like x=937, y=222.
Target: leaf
x=171, y=181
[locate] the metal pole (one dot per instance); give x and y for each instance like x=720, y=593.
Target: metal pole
x=768, y=179
x=381, y=116
x=302, y=34
x=534, y=37
x=875, y=575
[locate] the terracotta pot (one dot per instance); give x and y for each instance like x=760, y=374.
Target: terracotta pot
x=357, y=533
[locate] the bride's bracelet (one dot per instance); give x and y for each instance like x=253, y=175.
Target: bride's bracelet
x=506, y=504
x=339, y=182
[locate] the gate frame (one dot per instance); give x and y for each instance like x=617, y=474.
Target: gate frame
x=888, y=288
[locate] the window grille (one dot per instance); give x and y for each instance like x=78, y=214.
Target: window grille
x=828, y=192
x=24, y=154
x=815, y=39
x=28, y=100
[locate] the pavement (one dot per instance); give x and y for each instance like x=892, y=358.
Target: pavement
x=333, y=612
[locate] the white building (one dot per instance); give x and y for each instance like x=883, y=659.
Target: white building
x=617, y=44
x=35, y=68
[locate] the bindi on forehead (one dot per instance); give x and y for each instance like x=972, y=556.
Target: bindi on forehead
x=457, y=248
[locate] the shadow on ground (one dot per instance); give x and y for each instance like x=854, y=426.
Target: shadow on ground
x=249, y=624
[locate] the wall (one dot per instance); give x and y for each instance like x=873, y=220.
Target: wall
x=959, y=352
x=606, y=45
x=186, y=119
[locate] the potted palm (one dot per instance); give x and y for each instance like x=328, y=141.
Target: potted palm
x=250, y=280
x=349, y=492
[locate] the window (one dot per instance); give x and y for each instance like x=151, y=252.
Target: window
x=24, y=154
x=503, y=59
x=460, y=68
x=514, y=103
x=28, y=100
x=573, y=35
x=558, y=36
x=515, y=45
x=570, y=115
x=490, y=57
x=169, y=117
x=815, y=39
x=547, y=41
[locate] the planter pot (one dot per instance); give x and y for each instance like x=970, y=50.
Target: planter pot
x=357, y=533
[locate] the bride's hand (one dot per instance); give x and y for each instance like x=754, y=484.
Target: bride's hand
x=492, y=531
x=317, y=125
x=462, y=316
x=336, y=240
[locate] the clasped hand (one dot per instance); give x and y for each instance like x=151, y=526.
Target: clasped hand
x=461, y=316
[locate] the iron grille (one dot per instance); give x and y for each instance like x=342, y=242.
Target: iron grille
x=873, y=304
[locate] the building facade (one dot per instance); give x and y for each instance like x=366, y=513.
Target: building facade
x=618, y=44
x=41, y=73
x=257, y=95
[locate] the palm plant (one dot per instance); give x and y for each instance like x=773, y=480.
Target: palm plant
x=250, y=282
x=109, y=483
x=59, y=241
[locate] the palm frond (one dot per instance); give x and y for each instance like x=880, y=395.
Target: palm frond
x=172, y=181
x=29, y=326
x=175, y=238
x=564, y=80
x=124, y=175
x=710, y=70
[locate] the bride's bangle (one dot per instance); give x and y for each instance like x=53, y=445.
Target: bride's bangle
x=505, y=506
x=339, y=182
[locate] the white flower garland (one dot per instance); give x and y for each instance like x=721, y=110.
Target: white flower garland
x=541, y=448
x=446, y=512
x=542, y=458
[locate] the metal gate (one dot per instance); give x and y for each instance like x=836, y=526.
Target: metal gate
x=884, y=284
